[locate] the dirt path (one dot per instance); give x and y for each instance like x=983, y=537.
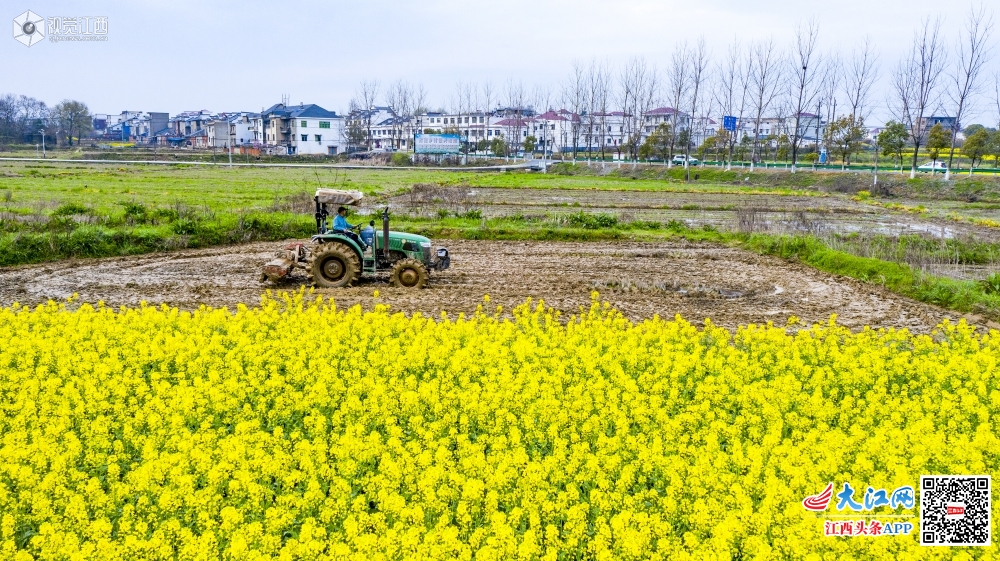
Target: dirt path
x=730, y=286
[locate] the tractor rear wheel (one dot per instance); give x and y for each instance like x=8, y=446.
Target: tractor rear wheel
x=409, y=273
x=333, y=265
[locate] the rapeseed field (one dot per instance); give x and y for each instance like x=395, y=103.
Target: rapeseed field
x=297, y=430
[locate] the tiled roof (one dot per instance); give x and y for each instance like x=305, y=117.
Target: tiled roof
x=512, y=122
x=552, y=116
x=311, y=110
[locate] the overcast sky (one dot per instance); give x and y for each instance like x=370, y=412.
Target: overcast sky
x=179, y=55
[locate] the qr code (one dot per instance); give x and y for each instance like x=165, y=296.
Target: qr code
x=955, y=510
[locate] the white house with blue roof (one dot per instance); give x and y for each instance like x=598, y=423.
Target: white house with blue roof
x=302, y=129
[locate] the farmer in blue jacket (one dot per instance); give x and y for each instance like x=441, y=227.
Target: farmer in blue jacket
x=341, y=226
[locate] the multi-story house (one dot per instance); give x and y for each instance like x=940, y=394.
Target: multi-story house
x=393, y=133
x=186, y=130
x=243, y=130
x=656, y=117
x=431, y=121
x=375, y=127
x=810, y=125
x=553, y=130
x=232, y=129
x=605, y=130
x=301, y=129
x=217, y=131
x=135, y=126
x=947, y=123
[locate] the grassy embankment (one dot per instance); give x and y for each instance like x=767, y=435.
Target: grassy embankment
x=50, y=212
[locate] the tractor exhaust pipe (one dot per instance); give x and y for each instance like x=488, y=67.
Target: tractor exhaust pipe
x=320, y=218
x=385, y=233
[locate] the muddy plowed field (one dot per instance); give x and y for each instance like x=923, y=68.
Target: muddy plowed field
x=697, y=281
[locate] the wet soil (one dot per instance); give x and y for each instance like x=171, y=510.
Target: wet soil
x=776, y=213
x=731, y=286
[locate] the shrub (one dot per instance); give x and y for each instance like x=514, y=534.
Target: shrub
x=991, y=284
x=135, y=213
x=69, y=209
x=592, y=221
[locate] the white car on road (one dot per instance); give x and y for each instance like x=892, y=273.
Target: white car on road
x=934, y=166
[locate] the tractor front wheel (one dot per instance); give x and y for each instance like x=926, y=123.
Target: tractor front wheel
x=333, y=265
x=409, y=273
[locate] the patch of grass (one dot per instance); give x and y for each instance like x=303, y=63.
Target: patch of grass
x=86, y=240
x=587, y=221
x=959, y=295
x=69, y=209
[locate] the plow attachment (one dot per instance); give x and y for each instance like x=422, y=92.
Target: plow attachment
x=284, y=262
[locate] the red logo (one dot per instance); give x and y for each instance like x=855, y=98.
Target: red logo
x=821, y=501
x=956, y=510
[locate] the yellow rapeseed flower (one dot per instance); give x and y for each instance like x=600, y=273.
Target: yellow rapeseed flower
x=297, y=430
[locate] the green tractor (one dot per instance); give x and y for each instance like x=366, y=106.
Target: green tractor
x=338, y=259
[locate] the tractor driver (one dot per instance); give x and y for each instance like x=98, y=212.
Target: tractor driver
x=341, y=226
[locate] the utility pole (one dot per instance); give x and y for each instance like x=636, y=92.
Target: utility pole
x=875, y=184
x=43, y=142
x=545, y=133
x=819, y=111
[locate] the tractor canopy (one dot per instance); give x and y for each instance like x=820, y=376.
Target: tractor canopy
x=338, y=197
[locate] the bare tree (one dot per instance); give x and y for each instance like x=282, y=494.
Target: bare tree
x=699, y=67
x=419, y=100
x=541, y=99
x=804, y=90
x=515, y=98
x=860, y=74
x=973, y=52
x=24, y=118
x=646, y=99
x=915, y=83
x=574, y=96
x=996, y=95
x=826, y=110
x=470, y=98
x=400, y=99
x=678, y=83
x=456, y=103
x=637, y=84
x=598, y=101
x=731, y=94
x=362, y=107
x=780, y=136
x=765, y=83
x=625, y=94
x=487, y=95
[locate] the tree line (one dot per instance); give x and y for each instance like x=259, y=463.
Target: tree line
x=773, y=90
x=26, y=120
